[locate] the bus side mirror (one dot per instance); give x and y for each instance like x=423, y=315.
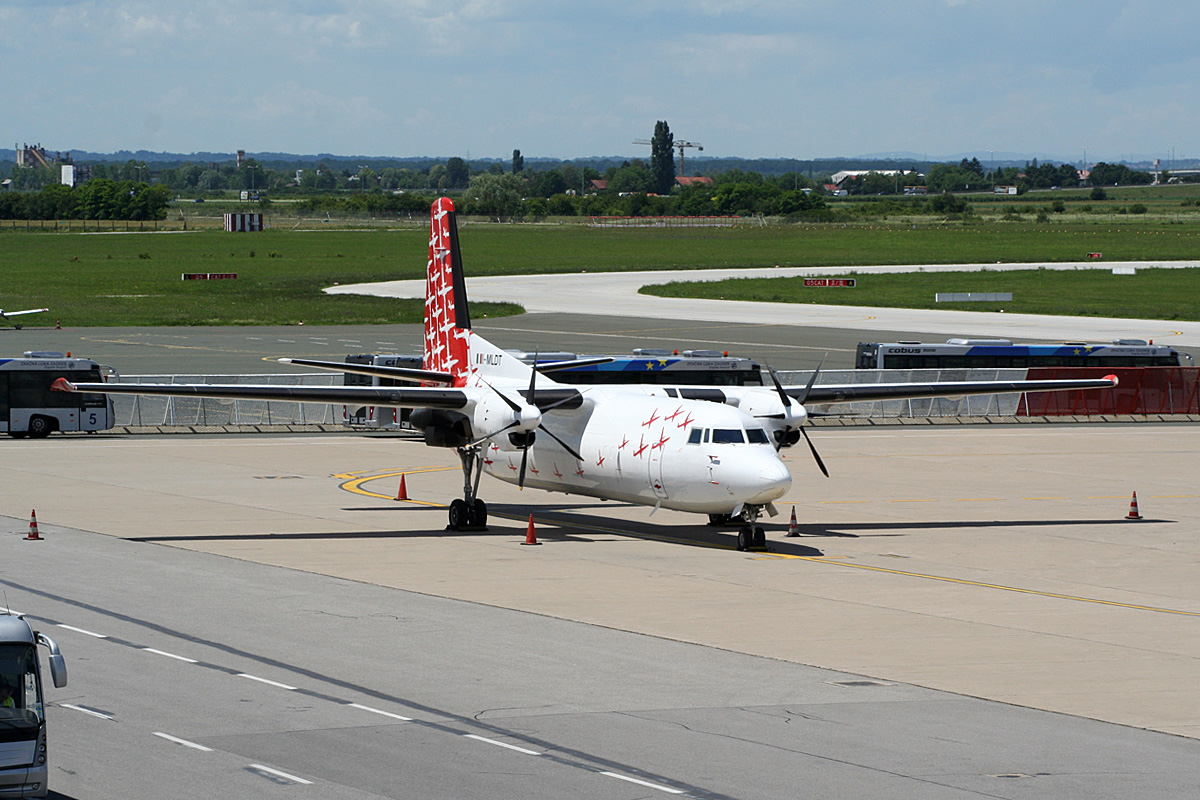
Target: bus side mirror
x=58, y=665
x=58, y=671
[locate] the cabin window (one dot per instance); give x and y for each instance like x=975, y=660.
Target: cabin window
x=757, y=436
x=728, y=436
x=695, y=435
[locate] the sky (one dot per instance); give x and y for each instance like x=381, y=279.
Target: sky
x=1111, y=79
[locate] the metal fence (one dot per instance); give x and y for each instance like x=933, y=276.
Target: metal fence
x=986, y=405
x=142, y=410
x=148, y=410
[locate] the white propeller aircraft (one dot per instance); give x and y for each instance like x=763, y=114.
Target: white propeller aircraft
x=4, y=315
x=707, y=450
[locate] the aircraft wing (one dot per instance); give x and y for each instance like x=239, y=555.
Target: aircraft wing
x=401, y=397
x=860, y=392
x=396, y=373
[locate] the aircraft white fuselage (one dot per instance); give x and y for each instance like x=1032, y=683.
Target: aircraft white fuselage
x=636, y=450
x=634, y=439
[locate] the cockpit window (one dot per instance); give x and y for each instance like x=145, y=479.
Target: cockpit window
x=694, y=435
x=728, y=436
x=757, y=436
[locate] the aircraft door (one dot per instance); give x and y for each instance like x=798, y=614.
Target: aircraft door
x=655, y=466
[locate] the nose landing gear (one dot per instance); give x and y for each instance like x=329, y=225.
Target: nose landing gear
x=751, y=535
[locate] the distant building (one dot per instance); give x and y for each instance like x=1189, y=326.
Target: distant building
x=840, y=177
x=1004, y=189
x=699, y=180
x=598, y=185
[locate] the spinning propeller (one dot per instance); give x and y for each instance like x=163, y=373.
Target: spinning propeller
x=787, y=414
x=529, y=419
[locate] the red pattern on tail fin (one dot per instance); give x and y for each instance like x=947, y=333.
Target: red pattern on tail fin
x=445, y=339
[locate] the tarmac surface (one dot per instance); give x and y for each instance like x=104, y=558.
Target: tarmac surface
x=988, y=561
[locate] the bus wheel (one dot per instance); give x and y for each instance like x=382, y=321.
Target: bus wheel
x=39, y=427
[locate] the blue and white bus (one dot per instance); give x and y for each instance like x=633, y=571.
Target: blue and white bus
x=29, y=408
x=660, y=367
x=1004, y=354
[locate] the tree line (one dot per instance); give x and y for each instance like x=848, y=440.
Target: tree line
x=99, y=198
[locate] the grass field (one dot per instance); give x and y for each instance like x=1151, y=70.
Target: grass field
x=134, y=278
x=1150, y=294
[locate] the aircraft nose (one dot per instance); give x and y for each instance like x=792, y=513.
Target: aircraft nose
x=774, y=480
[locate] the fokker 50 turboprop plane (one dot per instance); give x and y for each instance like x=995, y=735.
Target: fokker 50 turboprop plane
x=707, y=450
x=4, y=315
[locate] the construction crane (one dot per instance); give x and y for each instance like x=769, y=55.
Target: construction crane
x=679, y=143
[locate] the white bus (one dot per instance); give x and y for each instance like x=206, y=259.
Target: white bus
x=29, y=408
x=22, y=708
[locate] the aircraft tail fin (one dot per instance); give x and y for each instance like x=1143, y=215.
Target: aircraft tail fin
x=447, y=320
x=450, y=345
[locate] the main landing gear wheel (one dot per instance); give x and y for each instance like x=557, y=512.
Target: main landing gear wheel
x=469, y=513
x=477, y=514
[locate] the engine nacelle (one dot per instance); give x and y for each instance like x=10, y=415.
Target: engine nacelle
x=442, y=428
x=495, y=414
x=783, y=422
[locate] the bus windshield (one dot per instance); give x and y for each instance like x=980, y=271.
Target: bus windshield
x=20, y=693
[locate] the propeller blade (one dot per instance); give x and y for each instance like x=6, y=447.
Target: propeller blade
x=521, y=474
x=811, y=381
x=561, y=443
x=783, y=396
x=816, y=455
x=511, y=404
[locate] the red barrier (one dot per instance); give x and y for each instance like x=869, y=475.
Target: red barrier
x=1142, y=390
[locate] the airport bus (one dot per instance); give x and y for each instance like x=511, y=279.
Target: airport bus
x=23, y=767
x=1004, y=354
x=643, y=365
x=659, y=367
x=29, y=408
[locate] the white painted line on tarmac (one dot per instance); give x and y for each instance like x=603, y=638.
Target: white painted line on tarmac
x=382, y=713
x=647, y=784
x=183, y=742
x=269, y=683
x=88, y=711
x=11, y=612
x=279, y=774
x=501, y=744
x=170, y=655
x=81, y=630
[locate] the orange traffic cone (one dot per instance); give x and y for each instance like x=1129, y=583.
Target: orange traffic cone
x=33, y=530
x=402, y=493
x=1133, y=509
x=531, y=534
x=58, y=323
x=793, y=528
